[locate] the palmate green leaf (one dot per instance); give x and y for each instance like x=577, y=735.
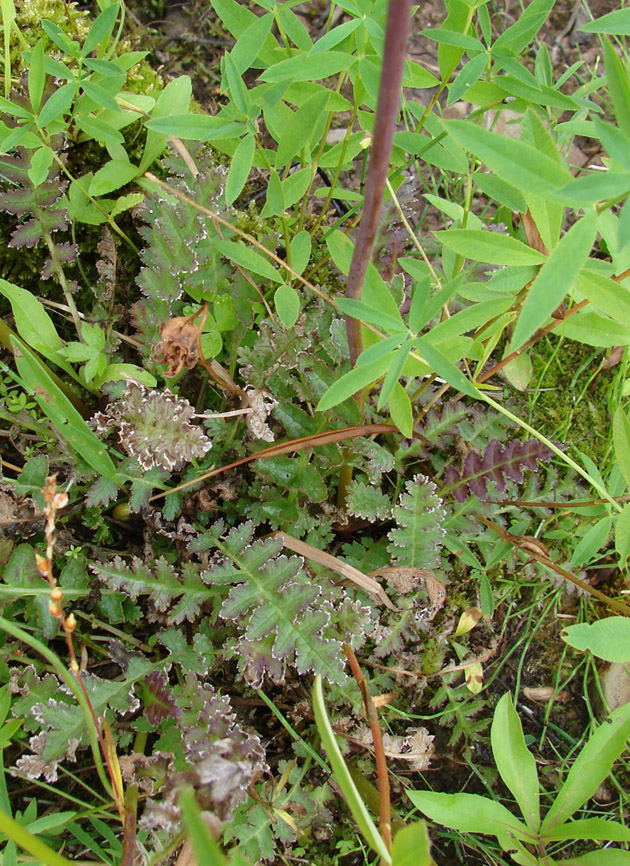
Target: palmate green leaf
x=348, y=385
x=57, y=104
x=491, y=247
x=467, y=76
x=593, y=329
x=457, y=21
x=32, y=321
x=294, y=188
x=293, y=26
x=452, y=37
x=592, y=542
x=393, y=374
x=468, y=319
x=36, y=76
x=445, y=368
x=301, y=128
x=514, y=761
x=94, y=128
x=520, y=34
x=495, y=187
x=251, y=41
x=300, y=249
x=514, y=161
x=374, y=316
x=113, y=175
x=609, y=857
x=621, y=440
x=613, y=140
x=69, y=423
x=240, y=168
x=174, y=98
x=608, y=638
x=380, y=348
x=591, y=767
x=99, y=94
x=401, y=410
x=287, y=303
x=239, y=94
x=41, y=161
x=614, y=24
x=250, y=259
x=618, y=87
x=555, y=278
x=54, y=32
x=274, y=205
x=101, y=28
x=594, y=187
x=622, y=535
x=197, y=127
x=309, y=67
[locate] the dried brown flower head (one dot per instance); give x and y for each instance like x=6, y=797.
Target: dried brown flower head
x=179, y=342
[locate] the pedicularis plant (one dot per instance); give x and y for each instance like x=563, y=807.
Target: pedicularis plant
x=268, y=467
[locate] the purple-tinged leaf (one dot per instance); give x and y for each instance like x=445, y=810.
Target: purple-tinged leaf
x=159, y=702
x=497, y=464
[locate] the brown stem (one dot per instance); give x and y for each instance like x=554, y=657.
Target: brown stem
x=385, y=819
x=396, y=29
x=127, y=856
x=542, y=331
x=533, y=339
x=539, y=555
x=312, y=441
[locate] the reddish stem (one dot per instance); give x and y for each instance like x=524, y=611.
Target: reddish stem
x=385, y=818
x=396, y=30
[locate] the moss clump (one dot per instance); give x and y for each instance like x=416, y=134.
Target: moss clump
x=567, y=395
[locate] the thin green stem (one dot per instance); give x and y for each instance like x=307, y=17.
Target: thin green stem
x=553, y=447
x=71, y=682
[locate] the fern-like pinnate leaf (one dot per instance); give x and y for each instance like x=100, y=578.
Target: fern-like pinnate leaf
x=416, y=539
x=367, y=502
x=280, y=616
x=173, y=597
x=271, y=595
x=498, y=464
x=179, y=255
x=40, y=208
x=284, y=617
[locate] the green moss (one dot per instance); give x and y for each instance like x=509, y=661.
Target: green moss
x=568, y=396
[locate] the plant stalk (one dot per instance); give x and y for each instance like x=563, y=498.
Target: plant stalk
x=396, y=30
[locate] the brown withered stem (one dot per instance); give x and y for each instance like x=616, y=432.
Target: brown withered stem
x=385, y=817
x=53, y=503
x=396, y=30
